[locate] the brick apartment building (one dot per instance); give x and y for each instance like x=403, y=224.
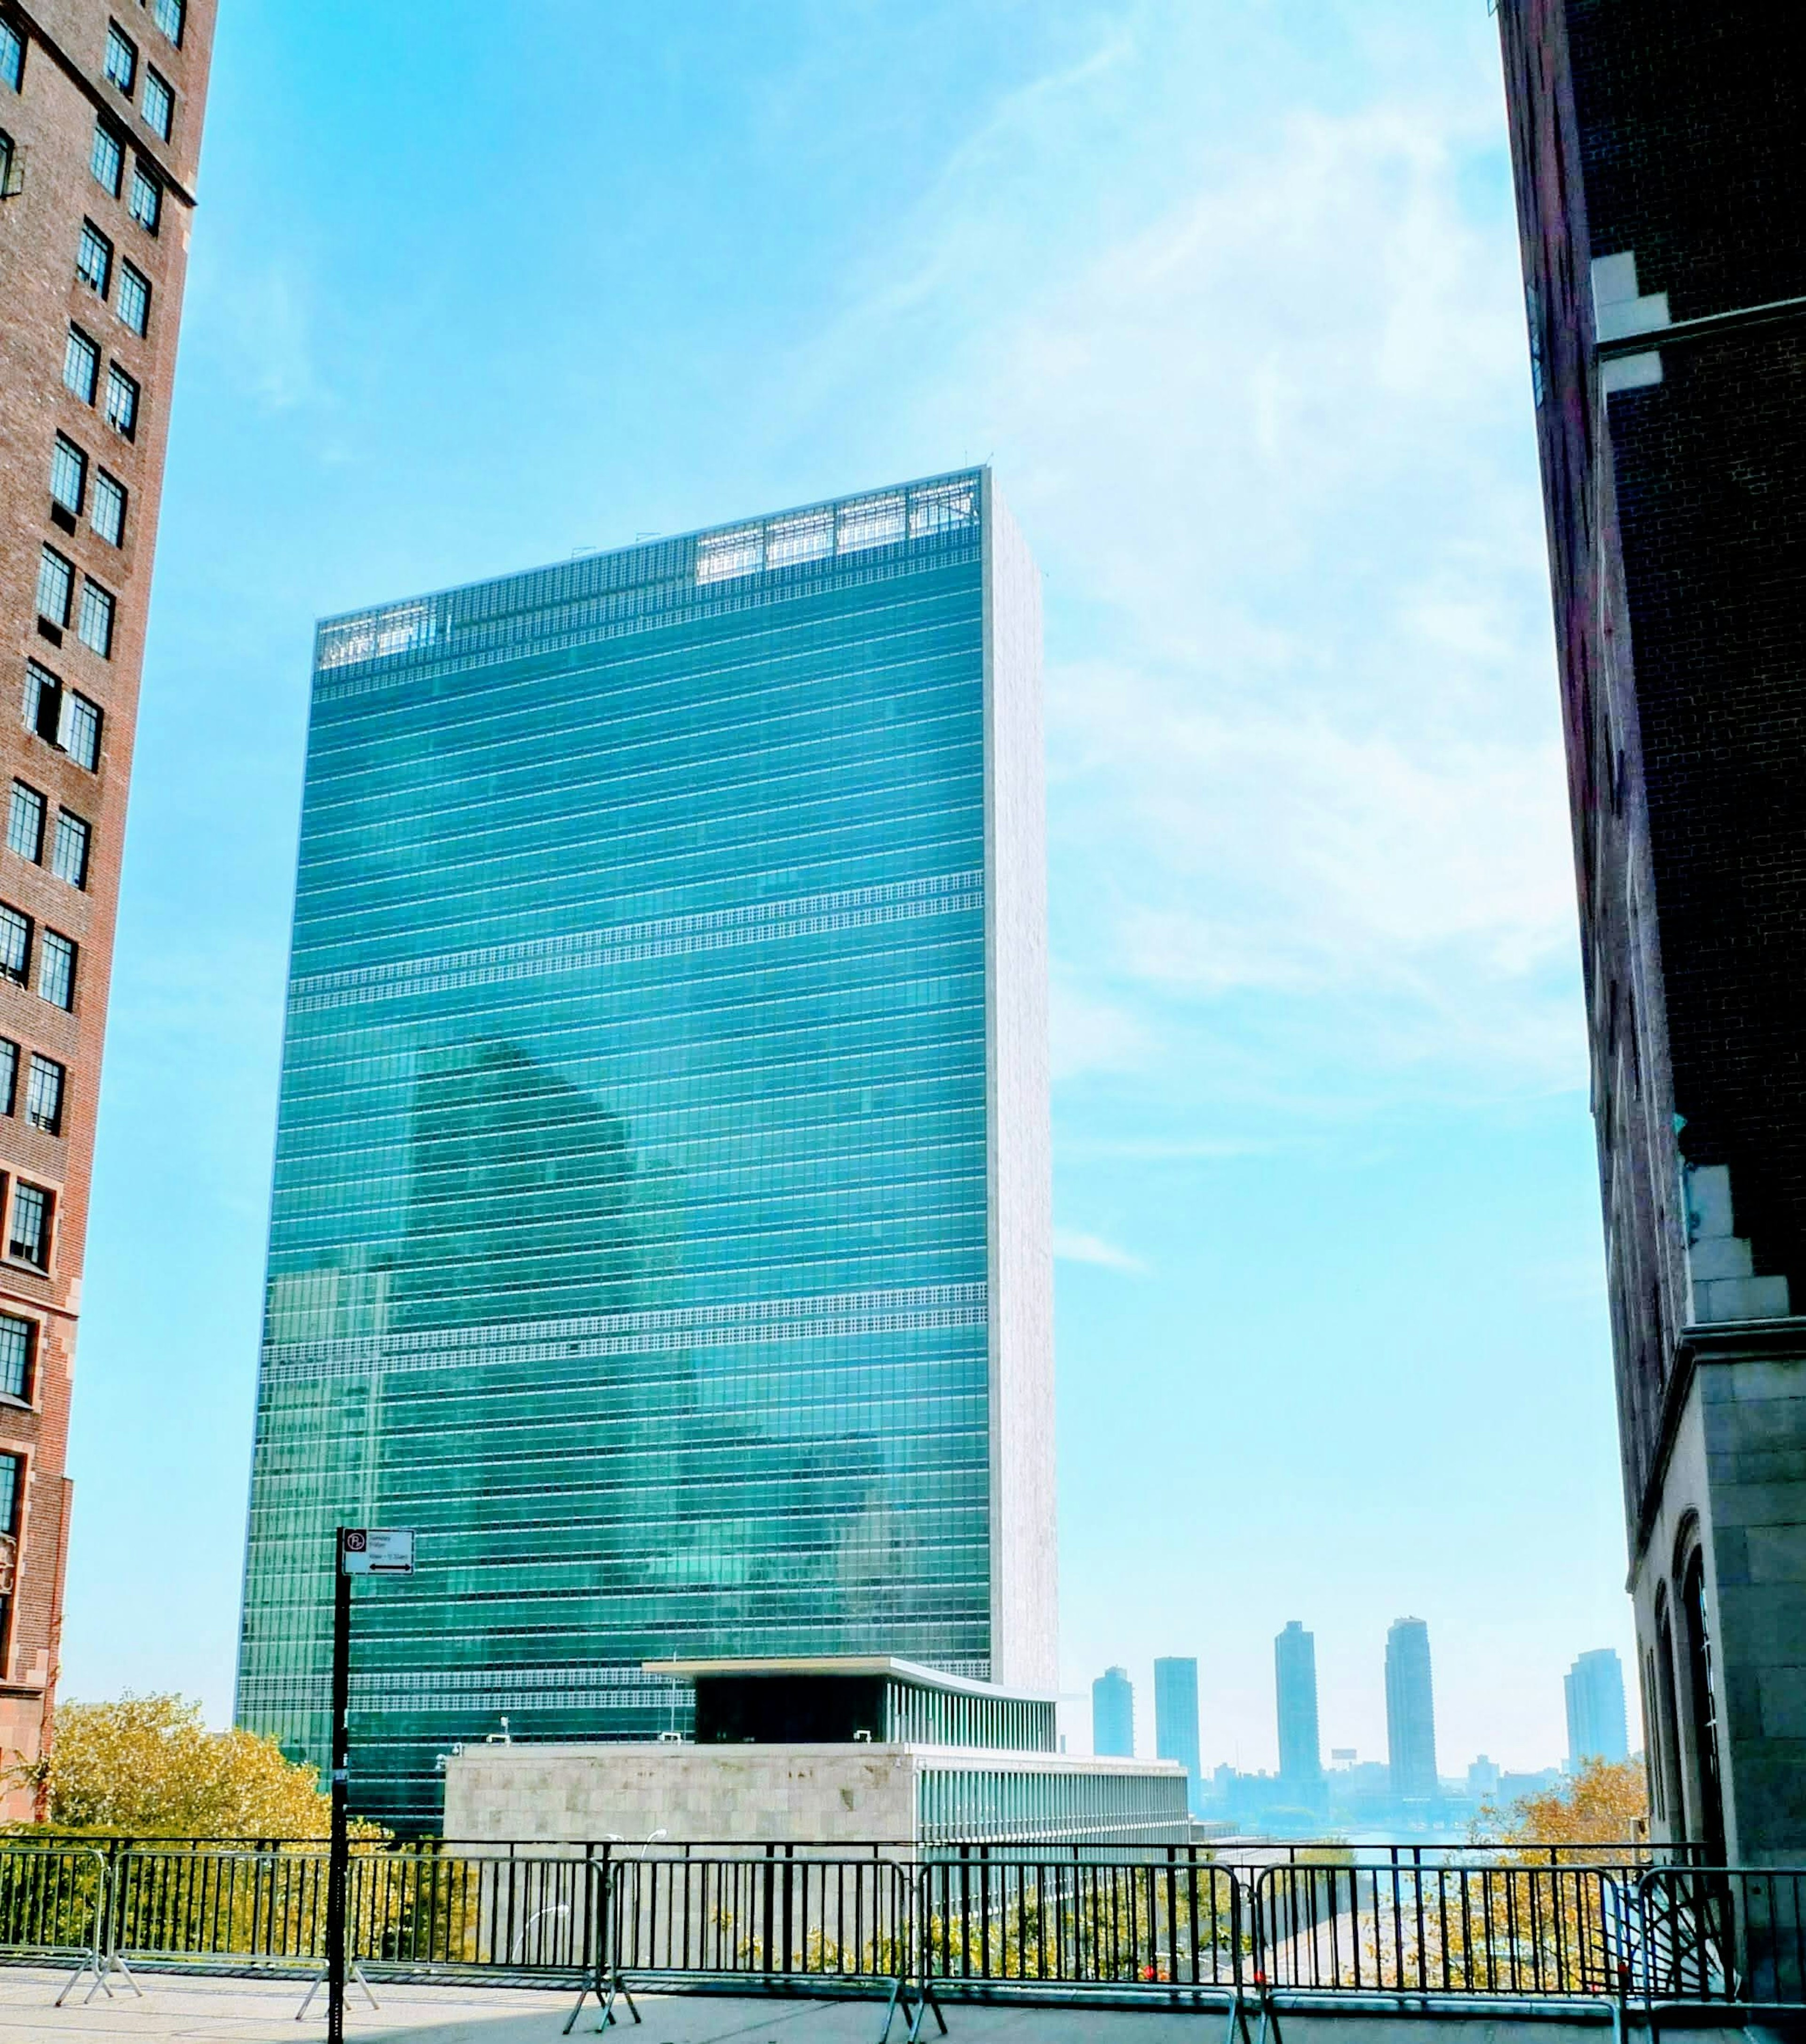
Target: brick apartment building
x=100, y=129
x=1660, y=157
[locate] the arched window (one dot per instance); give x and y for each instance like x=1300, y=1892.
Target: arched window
x=1696, y=1622
x=1664, y=1755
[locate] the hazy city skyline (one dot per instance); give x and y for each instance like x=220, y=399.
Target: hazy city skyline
x=1385, y=1062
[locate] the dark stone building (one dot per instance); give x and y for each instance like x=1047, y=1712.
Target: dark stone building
x=1660, y=155
x=100, y=129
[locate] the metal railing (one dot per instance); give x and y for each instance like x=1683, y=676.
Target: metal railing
x=1173, y=1925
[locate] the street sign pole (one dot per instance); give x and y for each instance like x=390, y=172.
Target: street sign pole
x=338, y=1857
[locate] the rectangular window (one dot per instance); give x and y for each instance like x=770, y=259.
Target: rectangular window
x=56, y=579
x=15, y=944
x=12, y=1486
x=44, y=700
x=9, y=1074
x=25, y=823
x=107, y=512
x=122, y=59
x=107, y=159
x=146, y=202
x=79, y=732
x=8, y=188
x=133, y=303
x=93, y=621
x=159, y=103
x=69, y=849
x=12, y=55
x=81, y=365
x=93, y=258
x=56, y=970
x=43, y=1094
x=28, y=1237
x=169, y=15
x=122, y=400
x=17, y=1343
x=68, y=474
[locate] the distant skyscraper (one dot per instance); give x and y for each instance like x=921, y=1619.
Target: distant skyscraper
x=1175, y=1718
x=1411, y=1712
x=1295, y=1692
x=1595, y=1687
x=661, y=1215
x=1112, y=1714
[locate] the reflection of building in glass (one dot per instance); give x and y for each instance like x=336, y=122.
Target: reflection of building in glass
x=1411, y=1712
x=1295, y=1688
x=1594, y=1688
x=660, y=1221
x=1175, y=1719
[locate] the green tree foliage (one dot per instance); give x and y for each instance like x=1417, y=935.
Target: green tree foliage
x=149, y=1766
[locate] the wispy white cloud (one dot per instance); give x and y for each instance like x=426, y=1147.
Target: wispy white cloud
x=1072, y=1247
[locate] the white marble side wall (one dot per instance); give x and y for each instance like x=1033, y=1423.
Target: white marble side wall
x=1024, y=1587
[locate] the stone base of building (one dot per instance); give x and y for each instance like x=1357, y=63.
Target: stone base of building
x=818, y=1795
x=1720, y=1586
x=21, y=1732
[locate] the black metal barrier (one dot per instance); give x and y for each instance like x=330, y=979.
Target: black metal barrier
x=1171, y=1925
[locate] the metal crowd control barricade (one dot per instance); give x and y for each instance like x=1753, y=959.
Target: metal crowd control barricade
x=1427, y=1932
x=770, y=1922
x=1173, y=1929
x=1732, y=1938
x=53, y=1906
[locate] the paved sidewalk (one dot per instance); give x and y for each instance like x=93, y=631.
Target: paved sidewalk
x=181, y=2009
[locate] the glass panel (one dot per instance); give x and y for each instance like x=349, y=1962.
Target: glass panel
x=69, y=851
x=93, y=624
x=29, y=1236
x=12, y=55
x=133, y=303
x=107, y=159
x=68, y=474
x=54, y=579
x=122, y=400
x=81, y=365
x=11, y=1467
x=169, y=18
x=80, y=734
x=43, y=1094
x=56, y=970
x=121, y=61
x=147, y=199
x=93, y=258
x=159, y=104
x=25, y=823
x=15, y=944
x=15, y=1355
x=109, y=509
x=9, y=1073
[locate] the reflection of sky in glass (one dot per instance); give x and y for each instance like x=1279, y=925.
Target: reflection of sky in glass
x=629, y=1226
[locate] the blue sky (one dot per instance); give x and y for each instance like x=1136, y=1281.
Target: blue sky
x=1228, y=293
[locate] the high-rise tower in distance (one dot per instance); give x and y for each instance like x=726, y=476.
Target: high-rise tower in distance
x=100, y=133
x=1112, y=1715
x=1295, y=1697
x=1593, y=1690
x=662, y=1206
x=1411, y=1712
x=1175, y=1719
x=1659, y=155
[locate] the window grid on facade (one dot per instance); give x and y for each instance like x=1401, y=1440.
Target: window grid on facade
x=17, y=1339
x=93, y=258
x=78, y=730
x=25, y=823
x=169, y=16
x=43, y=1094
x=146, y=202
x=55, y=582
x=69, y=849
x=12, y=55
x=81, y=365
x=107, y=511
x=12, y=1485
x=93, y=620
x=132, y=303
x=68, y=474
x=122, y=400
x=15, y=944
x=56, y=970
x=9, y=1074
x=8, y=189
x=121, y=60
x=159, y=103
x=106, y=158
x=29, y=1236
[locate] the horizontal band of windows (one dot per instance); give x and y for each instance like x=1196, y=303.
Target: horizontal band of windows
x=413, y=653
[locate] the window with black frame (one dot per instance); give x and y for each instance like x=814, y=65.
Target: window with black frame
x=19, y=1352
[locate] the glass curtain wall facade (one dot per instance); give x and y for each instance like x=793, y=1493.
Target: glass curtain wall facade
x=660, y=1217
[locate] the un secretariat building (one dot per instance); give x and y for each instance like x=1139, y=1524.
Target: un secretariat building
x=661, y=1219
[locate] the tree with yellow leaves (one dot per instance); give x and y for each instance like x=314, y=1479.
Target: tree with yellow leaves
x=1606, y=1804
x=148, y=1765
